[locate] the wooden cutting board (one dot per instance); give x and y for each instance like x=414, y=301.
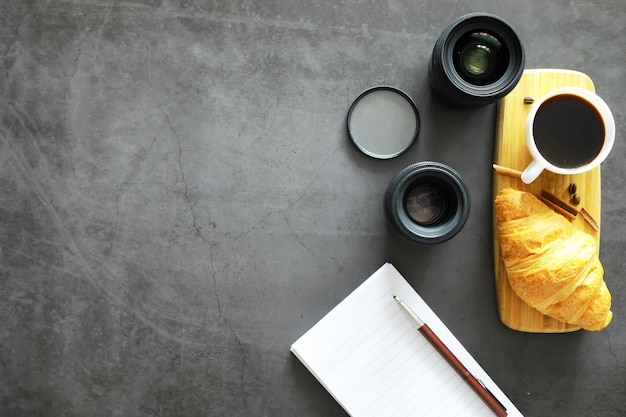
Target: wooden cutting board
x=510, y=151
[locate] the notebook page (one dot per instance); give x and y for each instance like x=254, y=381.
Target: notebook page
x=373, y=360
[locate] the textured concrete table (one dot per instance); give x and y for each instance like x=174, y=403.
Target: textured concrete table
x=179, y=201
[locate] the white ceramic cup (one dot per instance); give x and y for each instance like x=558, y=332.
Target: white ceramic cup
x=539, y=162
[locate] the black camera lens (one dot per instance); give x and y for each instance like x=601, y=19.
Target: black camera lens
x=477, y=60
x=427, y=202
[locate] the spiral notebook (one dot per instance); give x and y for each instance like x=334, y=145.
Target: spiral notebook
x=374, y=362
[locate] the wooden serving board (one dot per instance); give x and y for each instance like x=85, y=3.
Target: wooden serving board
x=510, y=151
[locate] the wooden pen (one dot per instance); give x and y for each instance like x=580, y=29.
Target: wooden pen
x=480, y=389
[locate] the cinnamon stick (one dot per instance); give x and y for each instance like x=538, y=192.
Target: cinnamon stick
x=558, y=208
x=509, y=172
x=590, y=219
x=562, y=204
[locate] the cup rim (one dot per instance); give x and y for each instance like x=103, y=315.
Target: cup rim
x=605, y=113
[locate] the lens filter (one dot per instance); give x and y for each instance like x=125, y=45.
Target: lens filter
x=383, y=122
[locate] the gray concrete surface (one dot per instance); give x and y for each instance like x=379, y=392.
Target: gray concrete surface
x=179, y=201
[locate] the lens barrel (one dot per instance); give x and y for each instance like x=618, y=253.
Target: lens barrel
x=427, y=202
x=477, y=59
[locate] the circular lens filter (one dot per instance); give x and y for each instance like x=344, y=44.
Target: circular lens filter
x=383, y=122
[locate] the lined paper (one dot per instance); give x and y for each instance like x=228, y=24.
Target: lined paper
x=375, y=362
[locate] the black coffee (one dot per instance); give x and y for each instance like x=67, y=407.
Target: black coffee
x=568, y=131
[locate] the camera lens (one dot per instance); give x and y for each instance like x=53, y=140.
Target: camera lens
x=476, y=60
x=427, y=202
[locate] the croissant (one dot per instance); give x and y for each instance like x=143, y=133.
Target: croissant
x=552, y=266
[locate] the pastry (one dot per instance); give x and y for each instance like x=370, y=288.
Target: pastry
x=550, y=264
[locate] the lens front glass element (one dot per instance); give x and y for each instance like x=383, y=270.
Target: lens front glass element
x=425, y=204
x=480, y=58
x=477, y=59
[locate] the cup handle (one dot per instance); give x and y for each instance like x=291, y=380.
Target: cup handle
x=531, y=172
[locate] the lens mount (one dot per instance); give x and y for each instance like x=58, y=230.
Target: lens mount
x=427, y=202
x=477, y=59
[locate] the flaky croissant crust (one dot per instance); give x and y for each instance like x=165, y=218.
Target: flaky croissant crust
x=550, y=264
